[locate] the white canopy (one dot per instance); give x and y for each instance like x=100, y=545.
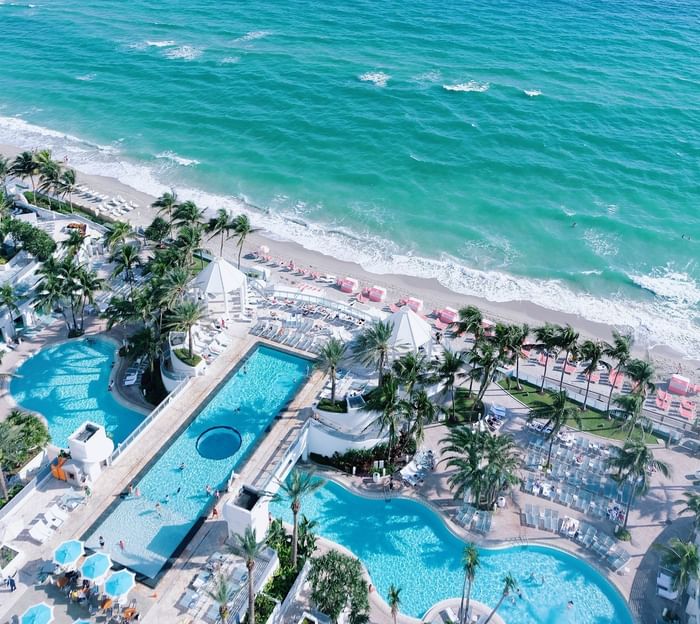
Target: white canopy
x=218, y=282
x=410, y=331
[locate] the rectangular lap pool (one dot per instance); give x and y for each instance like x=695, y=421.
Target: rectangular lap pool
x=170, y=495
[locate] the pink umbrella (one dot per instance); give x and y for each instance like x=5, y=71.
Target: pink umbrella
x=377, y=293
x=678, y=384
x=415, y=304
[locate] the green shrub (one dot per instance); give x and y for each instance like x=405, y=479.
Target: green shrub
x=362, y=459
x=339, y=406
x=184, y=356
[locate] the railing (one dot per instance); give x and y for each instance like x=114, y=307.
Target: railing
x=291, y=455
x=26, y=491
x=52, y=215
x=599, y=401
x=301, y=297
x=122, y=446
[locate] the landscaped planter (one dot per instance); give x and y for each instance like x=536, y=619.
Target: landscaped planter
x=10, y=560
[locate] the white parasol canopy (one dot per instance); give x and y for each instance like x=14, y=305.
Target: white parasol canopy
x=410, y=331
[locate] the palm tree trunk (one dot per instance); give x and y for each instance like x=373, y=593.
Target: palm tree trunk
x=452, y=396
x=469, y=596
x=221, y=247
x=461, y=614
x=3, y=484
x=332, y=384
x=544, y=375
x=191, y=345
x=251, y=597
x=70, y=200
x=563, y=369
x=629, y=506
x=517, y=370
x=549, y=453
x=498, y=604
x=240, y=251
x=612, y=388
x=295, y=537
x=585, y=398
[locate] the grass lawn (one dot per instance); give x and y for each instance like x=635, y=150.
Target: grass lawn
x=592, y=420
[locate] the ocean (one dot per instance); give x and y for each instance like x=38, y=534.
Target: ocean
x=544, y=151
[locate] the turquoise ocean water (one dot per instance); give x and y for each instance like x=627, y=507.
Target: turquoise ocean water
x=455, y=140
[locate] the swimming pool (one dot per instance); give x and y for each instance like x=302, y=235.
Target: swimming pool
x=406, y=543
x=67, y=384
x=211, y=445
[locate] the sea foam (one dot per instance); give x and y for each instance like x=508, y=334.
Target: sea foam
x=253, y=35
x=379, y=79
x=184, y=52
x=532, y=92
x=472, y=85
x=185, y=162
x=668, y=316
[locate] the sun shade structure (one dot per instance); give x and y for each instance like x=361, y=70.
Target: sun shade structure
x=120, y=584
x=222, y=287
x=410, y=331
x=68, y=553
x=96, y=566
x=38, y=614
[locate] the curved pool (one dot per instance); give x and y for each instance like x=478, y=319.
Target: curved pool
x=404, y=542
x=67, y=384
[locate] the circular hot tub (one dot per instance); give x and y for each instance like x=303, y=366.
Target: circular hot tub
x=219, y=442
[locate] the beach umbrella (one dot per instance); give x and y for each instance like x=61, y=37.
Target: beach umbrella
x=96, y=566
x=38, y=614
x=68, y=553
x=120, y=584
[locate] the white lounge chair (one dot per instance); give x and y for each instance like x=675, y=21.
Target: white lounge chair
x=40, y=532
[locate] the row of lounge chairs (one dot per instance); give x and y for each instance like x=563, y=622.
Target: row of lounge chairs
x=298, y=338
x=545, y=520
x=54, y=517
x=475, y=520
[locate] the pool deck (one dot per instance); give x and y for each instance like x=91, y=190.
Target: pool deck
x=653, y=517
x=116, y=478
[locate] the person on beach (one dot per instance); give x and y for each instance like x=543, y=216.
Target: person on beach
x=122, y=545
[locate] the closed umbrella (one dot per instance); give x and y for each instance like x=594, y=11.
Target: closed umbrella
x=68, y=553
x=96, y=566
x=38, y=614
x=120, y=584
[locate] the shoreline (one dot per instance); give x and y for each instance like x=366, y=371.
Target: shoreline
x=433, y=293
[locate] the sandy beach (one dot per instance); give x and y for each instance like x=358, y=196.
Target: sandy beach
x=434, y=294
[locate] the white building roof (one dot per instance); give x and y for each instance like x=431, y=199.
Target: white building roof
x=410, y=330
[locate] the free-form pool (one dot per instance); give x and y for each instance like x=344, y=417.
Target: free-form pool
x=67, y=384
x=172, y=490
x=404, y=542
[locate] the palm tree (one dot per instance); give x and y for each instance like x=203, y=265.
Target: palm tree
x=470, y=563
x=546, y=337
x=486, y=359
x=372, y=346
x=24, y=166
x=221, y=225
x=250, y=549
x=329, y=358
x=469, y=321
x=73, y=243
x=592, y=351
x=509, y=585
x=66, y=185
x=394, y=600
x=87, y=283
x=4, y=172
x=567, y=341
x=683, y=558
x=619, y=351
x=692, y=505
x=641, y=372
x=385, y=400
x=126, y=259
x=420, y=411
x=50, y=175
x=447, y=371
x=634, y=462
x=187, y=213
x=166, y=204
x=519, y=334
x=221, y=594
x=183, y=317
x=242, y=227
x=556, y=415
x=149, y=342
x=10, y=452
x=411, y=369
x=189, y=242
x=172, y=288
x=117, y=235
x=631, y=406
x=484, y=464
x=298, y=485
x=9, y=299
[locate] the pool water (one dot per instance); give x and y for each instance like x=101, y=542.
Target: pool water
x=245, y=403
x=67, y=384
x=404, y=542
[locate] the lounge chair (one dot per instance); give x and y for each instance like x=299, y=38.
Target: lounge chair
x=189, y=600
x=40, y=532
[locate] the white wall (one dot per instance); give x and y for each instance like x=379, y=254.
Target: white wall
x=324, y=441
